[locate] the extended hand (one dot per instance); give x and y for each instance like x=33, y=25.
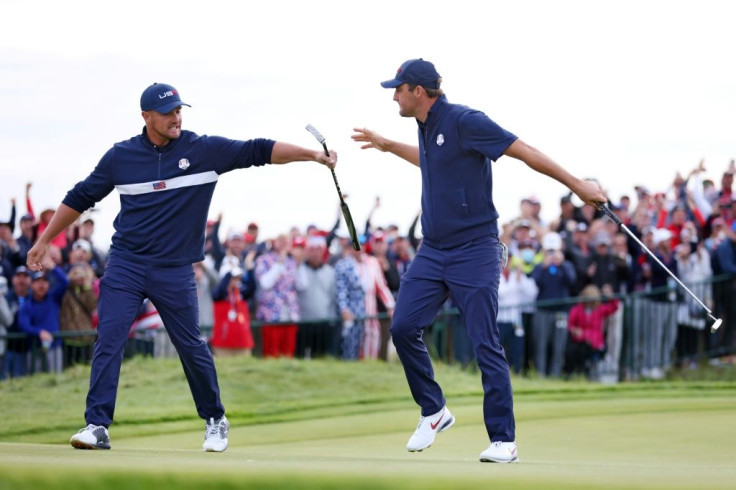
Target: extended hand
x=373, y=139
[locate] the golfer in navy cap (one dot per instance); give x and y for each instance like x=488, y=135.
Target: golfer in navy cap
x=460, y=254
x=165, y=177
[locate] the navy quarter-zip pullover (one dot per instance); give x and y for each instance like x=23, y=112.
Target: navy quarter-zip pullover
x=165, y=192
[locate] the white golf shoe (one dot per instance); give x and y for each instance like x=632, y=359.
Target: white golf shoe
x=91, y=437
x=500, y=452
x=215, y=435
x=428, y=428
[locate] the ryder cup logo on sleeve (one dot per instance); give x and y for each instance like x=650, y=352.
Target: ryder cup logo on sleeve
x=183, y=164
x=440, y=140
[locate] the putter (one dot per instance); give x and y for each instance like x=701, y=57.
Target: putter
x=343, y=204
x=716, y=321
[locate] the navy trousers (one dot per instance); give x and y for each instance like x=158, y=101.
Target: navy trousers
x=174, y=293
x=470, y=273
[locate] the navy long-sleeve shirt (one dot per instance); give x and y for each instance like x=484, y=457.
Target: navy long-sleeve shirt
x=165, y=192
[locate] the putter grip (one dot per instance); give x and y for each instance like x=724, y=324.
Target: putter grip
x=603, y=207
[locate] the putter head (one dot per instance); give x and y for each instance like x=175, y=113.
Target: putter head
x=715, y=325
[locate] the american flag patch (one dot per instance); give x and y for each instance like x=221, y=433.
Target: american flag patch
x=157, y=186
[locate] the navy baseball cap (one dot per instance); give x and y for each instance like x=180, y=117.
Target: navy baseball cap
x=38, y=275
x=415, y=72
x=21, y=269
x=162, y=98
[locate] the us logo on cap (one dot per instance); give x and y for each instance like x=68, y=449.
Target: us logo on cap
x=183, y=164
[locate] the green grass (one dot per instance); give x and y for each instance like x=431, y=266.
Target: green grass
x=329, y=424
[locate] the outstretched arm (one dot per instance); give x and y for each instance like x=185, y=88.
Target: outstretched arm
x=286, y=153
x=410, y=153
x=588, y=191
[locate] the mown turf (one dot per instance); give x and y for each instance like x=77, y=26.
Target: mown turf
x=327, y=424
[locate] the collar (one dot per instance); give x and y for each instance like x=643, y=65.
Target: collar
x=436, y=112
x=162, y=149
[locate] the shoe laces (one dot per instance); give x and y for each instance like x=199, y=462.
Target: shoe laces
x=90, y=427
x=213, y=429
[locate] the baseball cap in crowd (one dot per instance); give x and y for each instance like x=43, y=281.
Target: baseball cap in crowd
x=661, y=235
x=524, y=223
x=21, y=269
x=298, y=241
x=235, y=235
x=38, y=275
x=552, y=241
x=378, y=236
x=82, y=244
x=162, y=98
x=316, y=241
x=415, y=72
x=252, y=226
x=602, y=238
x=581, y=226
x=26, y=217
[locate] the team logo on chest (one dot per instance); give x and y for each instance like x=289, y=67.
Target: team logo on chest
x=183, y=164
x=440, y=139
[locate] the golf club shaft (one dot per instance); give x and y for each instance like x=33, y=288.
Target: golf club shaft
x=334, y=176
x=345, y=210
x=651, y=254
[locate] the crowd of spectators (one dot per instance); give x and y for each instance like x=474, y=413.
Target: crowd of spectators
x=574, y=291
x=688, y=225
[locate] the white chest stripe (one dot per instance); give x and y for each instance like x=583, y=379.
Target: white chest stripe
x=163, y=185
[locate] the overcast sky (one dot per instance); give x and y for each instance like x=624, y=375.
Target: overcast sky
x=628, y=92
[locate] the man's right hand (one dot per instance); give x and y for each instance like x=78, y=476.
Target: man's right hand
x=410, y=153
x=34, y=260
x=373, y=139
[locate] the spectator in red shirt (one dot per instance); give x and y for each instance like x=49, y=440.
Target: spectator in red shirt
x=586, y=343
